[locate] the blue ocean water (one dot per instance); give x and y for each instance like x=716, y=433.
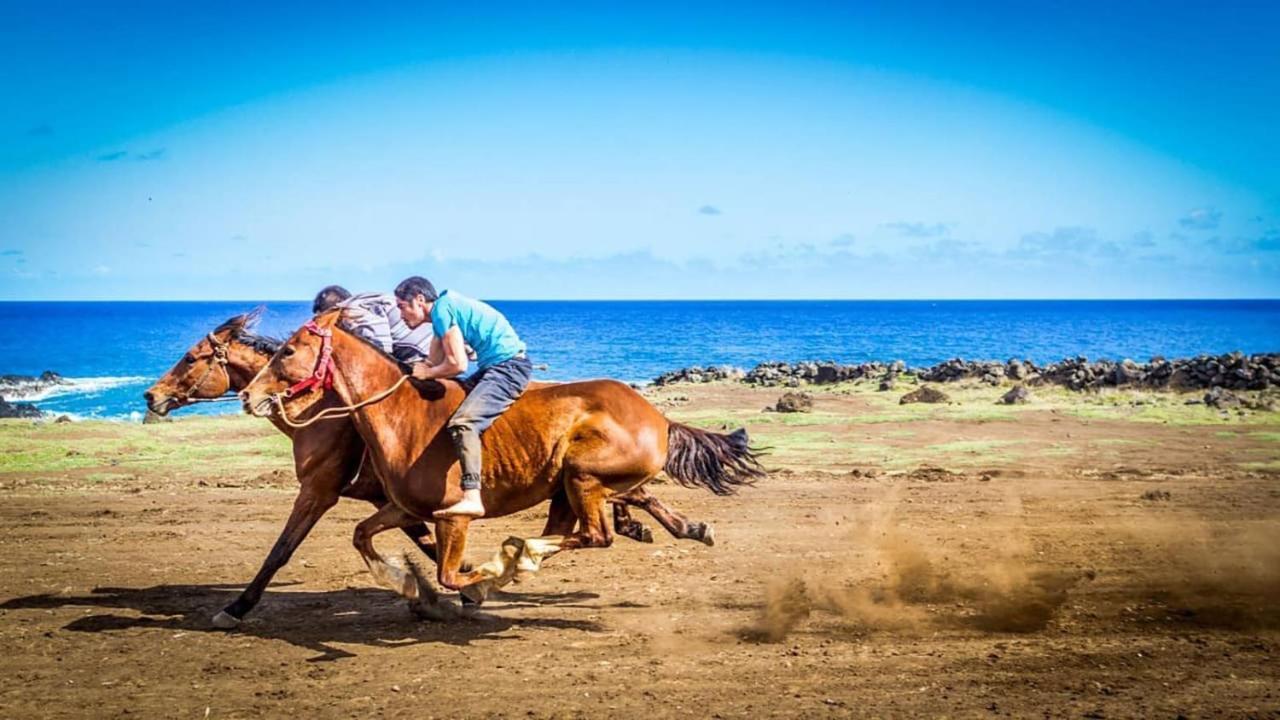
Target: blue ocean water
x=114, y=350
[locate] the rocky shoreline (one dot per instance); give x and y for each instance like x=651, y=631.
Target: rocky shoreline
x=20, y=386
x=1232, y=371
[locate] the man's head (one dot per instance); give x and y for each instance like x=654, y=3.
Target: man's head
x=414, y=298
x=327, y=298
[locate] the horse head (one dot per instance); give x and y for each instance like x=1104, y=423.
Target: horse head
x=216, y=364
x=297, y=373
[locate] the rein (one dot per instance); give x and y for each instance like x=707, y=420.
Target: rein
x=322, y=377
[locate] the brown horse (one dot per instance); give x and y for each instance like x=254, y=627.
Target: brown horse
x=327, y=455
x=585, y=441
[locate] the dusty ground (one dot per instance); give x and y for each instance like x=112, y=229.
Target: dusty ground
x=1109, y=556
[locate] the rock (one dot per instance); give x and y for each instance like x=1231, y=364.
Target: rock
x=152, y=418
x=18, y=410
x=62, y=419
x=794, y=402
x=888, y=382
x=1015, y=370
x=1019, y=395
x=925, y=394
x=1221, y=398
x=827, y=373
x=16, y=387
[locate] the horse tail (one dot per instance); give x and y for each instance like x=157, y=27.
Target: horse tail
x=718, y=462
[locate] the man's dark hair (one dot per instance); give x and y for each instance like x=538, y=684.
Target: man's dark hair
x=328, y=297
x=416, y=285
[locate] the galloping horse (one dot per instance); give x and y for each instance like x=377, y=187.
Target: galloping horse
x=328, y=455
x=584, y=441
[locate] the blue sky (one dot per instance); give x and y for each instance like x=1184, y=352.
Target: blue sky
x=897, y=150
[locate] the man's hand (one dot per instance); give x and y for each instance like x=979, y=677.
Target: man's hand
x=421, y=371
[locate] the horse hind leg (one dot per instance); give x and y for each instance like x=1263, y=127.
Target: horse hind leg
x=627, y=526
x=588, y=497
x=675, y=523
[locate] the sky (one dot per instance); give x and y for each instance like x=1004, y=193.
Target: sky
x=550, y=150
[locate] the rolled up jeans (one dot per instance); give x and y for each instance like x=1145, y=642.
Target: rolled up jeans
x=489, y=393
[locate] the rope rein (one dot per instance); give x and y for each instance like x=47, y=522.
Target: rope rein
x=334, y=412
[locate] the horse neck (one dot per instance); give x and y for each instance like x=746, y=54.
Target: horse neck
x=244, y=362
x=362, y=372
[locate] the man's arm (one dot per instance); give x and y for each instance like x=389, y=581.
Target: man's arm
x=435, y=355
x=453, y=362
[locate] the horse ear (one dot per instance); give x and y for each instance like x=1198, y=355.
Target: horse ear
x=241, y=323
x=253, y=317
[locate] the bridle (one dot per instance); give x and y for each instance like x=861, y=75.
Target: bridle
x=218, y=360
x=322, y=377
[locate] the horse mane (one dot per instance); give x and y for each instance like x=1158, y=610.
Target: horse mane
x=241, y=327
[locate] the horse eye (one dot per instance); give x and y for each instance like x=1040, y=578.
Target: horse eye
x=189, y=358
x=289, y=350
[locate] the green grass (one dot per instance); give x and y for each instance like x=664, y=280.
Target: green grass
x=1263, y=465
x=210, y=446
x=1266, y=436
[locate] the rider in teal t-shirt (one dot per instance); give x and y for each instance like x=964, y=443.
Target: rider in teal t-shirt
x=484, y=328
x=502, y=374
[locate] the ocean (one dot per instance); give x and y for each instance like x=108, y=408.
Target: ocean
x=113, y=350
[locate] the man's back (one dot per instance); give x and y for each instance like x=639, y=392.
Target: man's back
x=482, y=327
x=374, y=317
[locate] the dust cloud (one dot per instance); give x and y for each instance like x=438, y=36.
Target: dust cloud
x=890, y=577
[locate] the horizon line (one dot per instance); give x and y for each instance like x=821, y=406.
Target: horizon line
x=684, y=300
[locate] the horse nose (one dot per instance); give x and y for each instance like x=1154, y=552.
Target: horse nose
x=150, y=397
x=243, y=395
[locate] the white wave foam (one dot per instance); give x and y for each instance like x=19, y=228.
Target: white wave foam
x=35, y=392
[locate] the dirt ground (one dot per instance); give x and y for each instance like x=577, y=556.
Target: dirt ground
x=1117, y=557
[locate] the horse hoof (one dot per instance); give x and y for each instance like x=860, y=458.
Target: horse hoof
x=225, y=621
x=440, y=611
x=708, y=536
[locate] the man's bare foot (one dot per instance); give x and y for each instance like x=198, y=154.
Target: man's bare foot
x=469, y=506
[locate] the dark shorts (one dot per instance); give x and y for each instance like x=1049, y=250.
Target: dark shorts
x=490, y=392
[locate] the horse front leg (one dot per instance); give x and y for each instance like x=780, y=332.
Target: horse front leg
x=368, y=487
x=389, y=516
x=308, y=508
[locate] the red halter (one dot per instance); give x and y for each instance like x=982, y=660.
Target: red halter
x=323, y=375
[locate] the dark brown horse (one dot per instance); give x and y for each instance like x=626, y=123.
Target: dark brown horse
x=584, y=441
x=327, y=455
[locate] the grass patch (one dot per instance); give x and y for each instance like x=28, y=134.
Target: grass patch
x=208, y=446
x=1266, y=436
x=1263, y=465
